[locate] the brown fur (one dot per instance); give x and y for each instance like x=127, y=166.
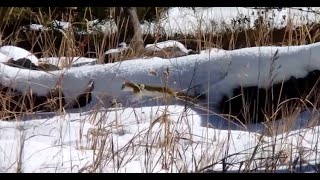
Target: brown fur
x=138, y=88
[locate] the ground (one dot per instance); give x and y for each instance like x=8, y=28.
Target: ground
x=155, y=135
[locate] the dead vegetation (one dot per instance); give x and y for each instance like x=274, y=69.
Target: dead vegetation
x=16, y=103
x=54, y=43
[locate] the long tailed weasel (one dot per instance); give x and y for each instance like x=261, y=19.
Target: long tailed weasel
x=140, y=90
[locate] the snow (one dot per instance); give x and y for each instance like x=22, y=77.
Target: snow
x=102, y=26
x=64, y=143
x=151, y=136
x=121, y=47
x=40, y=138
x=55, y=24
x=3, y=57
x=61, y=25
x=74, y=61
x=212, y=19
x=166, y=44
x=206, y=19
x=38, y=27
x=17, y=53
x=215, y=71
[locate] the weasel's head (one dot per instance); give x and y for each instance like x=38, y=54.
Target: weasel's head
x=141, y=86
x=128, y=86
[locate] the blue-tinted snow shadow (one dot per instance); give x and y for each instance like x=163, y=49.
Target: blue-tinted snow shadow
x=48, y=115
x=209, y=116
x=302, y=121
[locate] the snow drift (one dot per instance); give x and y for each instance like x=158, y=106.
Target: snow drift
x=65, y=146
x=218, y=72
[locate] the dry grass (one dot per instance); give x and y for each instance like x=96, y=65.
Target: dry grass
x=171, y=141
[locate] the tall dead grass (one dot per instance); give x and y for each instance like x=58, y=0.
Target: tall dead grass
x=166, y=142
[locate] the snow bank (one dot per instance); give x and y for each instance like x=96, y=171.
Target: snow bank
x=17, y=53
x=216, y=71
x=208, y=19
